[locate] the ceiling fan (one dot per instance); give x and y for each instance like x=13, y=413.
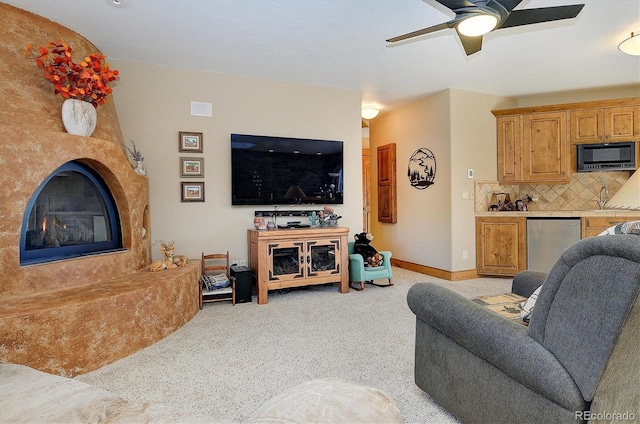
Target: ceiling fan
x=474, y=18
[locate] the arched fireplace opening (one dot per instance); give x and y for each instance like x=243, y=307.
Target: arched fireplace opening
x=71, y=214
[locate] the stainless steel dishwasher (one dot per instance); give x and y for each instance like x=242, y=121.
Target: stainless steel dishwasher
x=547, y=238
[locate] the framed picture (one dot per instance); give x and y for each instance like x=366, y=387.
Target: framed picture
x=192, y=192
x=190, y=142
x=192, y=167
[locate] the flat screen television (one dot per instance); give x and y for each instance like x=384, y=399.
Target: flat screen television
x=285, y=171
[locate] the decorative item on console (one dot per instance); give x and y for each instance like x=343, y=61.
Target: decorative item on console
x=259, y=223
x=137, y=156
x=170, y=260
x=87, y=81
x=313, y=218
x=502, y=202
x=328, y=218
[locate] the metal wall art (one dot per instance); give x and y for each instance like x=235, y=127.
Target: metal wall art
x=422, y=168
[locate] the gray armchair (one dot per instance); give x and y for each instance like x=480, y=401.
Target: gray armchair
x=578, y=358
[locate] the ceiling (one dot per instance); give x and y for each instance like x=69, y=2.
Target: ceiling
x=341, y=43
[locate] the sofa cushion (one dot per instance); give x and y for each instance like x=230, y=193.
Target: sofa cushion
x=329, y=400
x=528, y=305
x=31, y=396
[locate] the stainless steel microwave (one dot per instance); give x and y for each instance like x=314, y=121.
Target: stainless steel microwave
x=619, y=156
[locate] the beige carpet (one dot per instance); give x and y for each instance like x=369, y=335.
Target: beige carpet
x=229, y=360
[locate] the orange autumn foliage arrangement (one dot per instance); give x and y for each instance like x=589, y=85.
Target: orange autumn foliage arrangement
x=88, y=80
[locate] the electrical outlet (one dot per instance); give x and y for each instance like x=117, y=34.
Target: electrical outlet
x=465, y=195
x=465, y=255
x=242, y=262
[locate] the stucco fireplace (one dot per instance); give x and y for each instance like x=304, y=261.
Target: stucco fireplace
x=90, y=299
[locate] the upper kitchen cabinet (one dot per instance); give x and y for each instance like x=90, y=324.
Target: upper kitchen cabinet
x=545, y=150
x=533, y=147
x=537, y=144
x=509, y=148
x=603, y=125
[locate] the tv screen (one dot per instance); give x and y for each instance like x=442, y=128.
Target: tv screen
x=285, y=171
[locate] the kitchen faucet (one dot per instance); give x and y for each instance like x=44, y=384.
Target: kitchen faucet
x=602, y=201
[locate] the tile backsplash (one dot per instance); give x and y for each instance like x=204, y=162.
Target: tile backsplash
x=581, y=193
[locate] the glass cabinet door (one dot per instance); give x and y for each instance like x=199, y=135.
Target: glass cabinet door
x=323, y=257
x=285, y=260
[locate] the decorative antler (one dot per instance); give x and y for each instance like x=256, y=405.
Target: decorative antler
x=167, y=248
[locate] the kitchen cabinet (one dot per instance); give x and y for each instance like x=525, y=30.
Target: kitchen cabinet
x=594, y=225
x=501, y=246
x=536, y=144
x=509, y=148
x=604, y=125
x=545, y=147
x=285, y=258
x=533, y=148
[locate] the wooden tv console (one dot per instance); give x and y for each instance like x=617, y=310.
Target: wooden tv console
x=294, y=257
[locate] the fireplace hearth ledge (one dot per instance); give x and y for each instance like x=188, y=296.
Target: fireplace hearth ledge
x=82, y=328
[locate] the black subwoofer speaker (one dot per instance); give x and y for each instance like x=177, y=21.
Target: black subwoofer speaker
x=244, y=283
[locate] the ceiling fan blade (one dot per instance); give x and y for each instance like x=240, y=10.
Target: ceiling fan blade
x=543, y=14
x=471, y=44
x=419, y=32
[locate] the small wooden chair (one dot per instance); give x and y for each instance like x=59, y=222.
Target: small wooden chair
x=215, y=264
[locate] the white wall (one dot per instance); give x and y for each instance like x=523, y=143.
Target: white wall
x=604, y=93
x=153, y=105
x=473, y=146
x=435, y=225
x=422, y=233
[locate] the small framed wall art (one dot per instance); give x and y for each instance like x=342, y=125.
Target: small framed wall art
x=191, y=167
x=192, y=192
x=190, y=142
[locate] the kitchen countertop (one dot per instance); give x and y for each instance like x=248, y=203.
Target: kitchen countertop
x=563, y=214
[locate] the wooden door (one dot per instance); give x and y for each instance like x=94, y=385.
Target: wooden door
x=509, y=146
x=387, y=201
x=545, y=147
x=366, y=188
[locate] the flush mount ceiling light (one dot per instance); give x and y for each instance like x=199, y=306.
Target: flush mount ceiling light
x=477, y=25
x=631, y=45
x=370, y=112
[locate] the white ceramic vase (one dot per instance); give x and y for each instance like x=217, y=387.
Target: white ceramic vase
x=140, y=169
x=79, y=117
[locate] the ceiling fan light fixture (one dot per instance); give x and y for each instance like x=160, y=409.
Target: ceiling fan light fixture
x=631, y=45
x=369, y=112
x=477, y=25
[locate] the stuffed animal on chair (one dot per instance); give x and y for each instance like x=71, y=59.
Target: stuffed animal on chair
x=362, y=246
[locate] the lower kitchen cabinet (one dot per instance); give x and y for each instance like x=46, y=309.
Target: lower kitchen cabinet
x=594, y=225
x=501, y=245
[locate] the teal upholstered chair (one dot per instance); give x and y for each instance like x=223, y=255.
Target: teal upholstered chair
x=358, y=273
